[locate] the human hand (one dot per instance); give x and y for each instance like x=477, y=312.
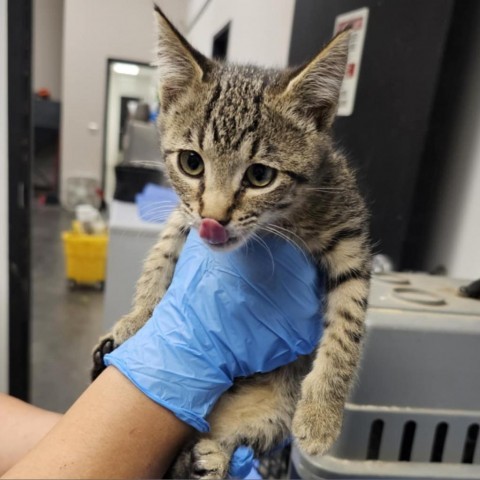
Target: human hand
x=225, y=315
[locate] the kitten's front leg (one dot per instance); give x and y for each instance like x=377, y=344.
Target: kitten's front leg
x=155, y=279
x=156, y=276
x=318, y=418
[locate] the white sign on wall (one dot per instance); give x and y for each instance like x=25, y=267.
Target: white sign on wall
x=357, y=21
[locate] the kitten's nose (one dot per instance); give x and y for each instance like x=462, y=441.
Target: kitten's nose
x=212, y=232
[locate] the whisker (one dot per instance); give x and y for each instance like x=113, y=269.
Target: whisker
x=148, y=163
x=157, y=213
x=157, y=204
x=284, y=237
x=189, y=213
x=280, y=235
x=156, y=208
x=267, y=248
x=160, y=213
x=291, y=233
x=161, y=208
x=156, y=218
x=323, y=189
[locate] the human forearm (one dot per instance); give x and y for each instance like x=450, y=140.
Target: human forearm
x=22, y=426
x=112, y=431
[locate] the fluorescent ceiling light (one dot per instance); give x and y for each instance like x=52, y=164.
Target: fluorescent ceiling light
x=126, y=68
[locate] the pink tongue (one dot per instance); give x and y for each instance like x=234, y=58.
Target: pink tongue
x=212, y=232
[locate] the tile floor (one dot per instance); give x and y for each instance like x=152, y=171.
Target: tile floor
x=64, y=324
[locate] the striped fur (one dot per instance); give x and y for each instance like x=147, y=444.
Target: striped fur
x=235, y=116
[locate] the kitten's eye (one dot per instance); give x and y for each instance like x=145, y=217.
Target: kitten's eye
x=191, y=163
x=258, y=175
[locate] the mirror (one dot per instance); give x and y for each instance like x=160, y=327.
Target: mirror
x=131, y=107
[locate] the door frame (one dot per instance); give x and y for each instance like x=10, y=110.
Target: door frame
x=19, y=193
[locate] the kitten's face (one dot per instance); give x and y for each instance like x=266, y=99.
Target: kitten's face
x=232, y=158
x=241, y=144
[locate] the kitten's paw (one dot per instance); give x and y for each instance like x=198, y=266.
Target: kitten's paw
x=316, y=427
x=128, y=326
x=209, y=460
x=105, y=345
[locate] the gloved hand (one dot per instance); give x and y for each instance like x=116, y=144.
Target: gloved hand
x=242, y=462
x=225, y=315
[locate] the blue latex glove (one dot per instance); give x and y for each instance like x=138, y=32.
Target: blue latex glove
x=225, y=315
x=242, y=462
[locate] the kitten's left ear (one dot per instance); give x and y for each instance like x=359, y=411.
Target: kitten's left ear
x=180, y=66
x=314, y=88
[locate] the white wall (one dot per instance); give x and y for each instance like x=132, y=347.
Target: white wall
x=260, y=30
x=194, y=10
x=3, y=201
x=456, y=240
x=47, y=46
x=93, y=32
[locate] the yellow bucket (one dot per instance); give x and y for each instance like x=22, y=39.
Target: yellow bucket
x=85, y=257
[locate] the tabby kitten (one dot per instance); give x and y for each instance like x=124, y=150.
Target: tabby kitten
x=251, y=150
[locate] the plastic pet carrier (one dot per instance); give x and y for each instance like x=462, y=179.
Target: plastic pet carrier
x=415, y=410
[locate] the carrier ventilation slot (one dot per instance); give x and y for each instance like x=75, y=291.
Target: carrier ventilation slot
x=439, y=442
x=375, y=440
x=407, y=441
x=470, y=443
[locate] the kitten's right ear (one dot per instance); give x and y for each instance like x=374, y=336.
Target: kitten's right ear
x=314, y=89
x=179, y=64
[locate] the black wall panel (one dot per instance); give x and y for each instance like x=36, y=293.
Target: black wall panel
x=386, y=135
x=19, y=164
